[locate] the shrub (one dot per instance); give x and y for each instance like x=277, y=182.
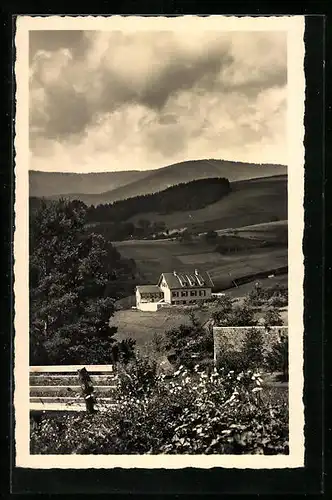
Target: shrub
x=278, y=300
x=272, y=317
x=250, y=356
x=238, y=315
x=252, y=350
x=277, y=358
x=189, y=344
x=137, y=378
x=220, y=413
x=276, y=295
x=211, y=235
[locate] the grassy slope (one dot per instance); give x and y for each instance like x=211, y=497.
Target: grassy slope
x=253, y=201
x=142, y=325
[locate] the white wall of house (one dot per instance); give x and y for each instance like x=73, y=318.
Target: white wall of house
x=166, y=291
x=148, y=306
x=190, y=295
x=138, y=298
x=147, y=302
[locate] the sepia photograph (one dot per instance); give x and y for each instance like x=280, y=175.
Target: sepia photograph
x=158, y=243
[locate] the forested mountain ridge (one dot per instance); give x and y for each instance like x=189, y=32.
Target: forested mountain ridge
x=107, y=187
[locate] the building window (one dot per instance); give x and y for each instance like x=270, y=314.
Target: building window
x=184, y=294
x=175, y=294
x=193, y=293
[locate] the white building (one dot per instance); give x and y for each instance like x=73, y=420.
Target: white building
x=148, y=297
x=175, y=288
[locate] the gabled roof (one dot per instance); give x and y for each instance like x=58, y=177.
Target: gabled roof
x=183, y=279
x=149, y=289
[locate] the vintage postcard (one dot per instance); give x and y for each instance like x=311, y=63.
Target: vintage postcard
x=159, y=179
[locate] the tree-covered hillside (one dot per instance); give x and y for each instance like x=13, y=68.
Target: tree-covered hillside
x=186, y=196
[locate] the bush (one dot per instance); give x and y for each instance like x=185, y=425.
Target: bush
x=250, y=356
x=238, y=315
x=277, y=300
x=189, y=344
x=252, y=350
x=272, y=317
x=276, y=295
x=137, y=378
x=277, y=358
x=220, y=413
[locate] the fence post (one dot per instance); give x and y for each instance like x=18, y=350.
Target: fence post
x=87, y=389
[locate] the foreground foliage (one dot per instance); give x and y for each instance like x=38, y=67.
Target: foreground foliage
x=201, y=413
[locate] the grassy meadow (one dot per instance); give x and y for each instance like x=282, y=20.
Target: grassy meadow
x=154, y=257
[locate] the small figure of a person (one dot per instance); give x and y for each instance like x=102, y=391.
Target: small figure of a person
x=87, y=389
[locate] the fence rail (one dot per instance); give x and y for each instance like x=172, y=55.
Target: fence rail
x=71, y=369
x=71, y=388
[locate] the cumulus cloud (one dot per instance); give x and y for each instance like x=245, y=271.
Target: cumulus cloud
x=113, y=100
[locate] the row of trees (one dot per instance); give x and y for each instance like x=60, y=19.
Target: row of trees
x=71, y=275
x=119, y=231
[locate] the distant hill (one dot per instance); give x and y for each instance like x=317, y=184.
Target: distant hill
x=101, y=188
x=55, y=184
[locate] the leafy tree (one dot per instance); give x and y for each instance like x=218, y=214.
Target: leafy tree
x=238, y=315
x=277, y=358
x=225, y=307
x=144, y=224
x=69, y=272
x=272, y=317
x=189, y=344
x=185, y=236
x=252, y=348
x=211, y=236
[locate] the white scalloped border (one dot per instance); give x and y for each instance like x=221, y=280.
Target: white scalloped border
x=294, y=25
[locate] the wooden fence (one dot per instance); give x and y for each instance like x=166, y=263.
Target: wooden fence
x=71, y=388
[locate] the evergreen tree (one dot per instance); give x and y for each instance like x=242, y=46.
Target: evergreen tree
x=69, y=273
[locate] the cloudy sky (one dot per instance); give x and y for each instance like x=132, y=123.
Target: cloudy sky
x=103, y=101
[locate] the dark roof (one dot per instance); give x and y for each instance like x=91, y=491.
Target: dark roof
x=189, y=279
x=149, y=289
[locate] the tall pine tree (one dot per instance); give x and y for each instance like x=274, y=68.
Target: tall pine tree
x=69, y=271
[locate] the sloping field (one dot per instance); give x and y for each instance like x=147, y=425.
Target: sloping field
x=242, y=290
x=253, y=201
x=154, y=257
x=267, y=231
x=142, y=326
